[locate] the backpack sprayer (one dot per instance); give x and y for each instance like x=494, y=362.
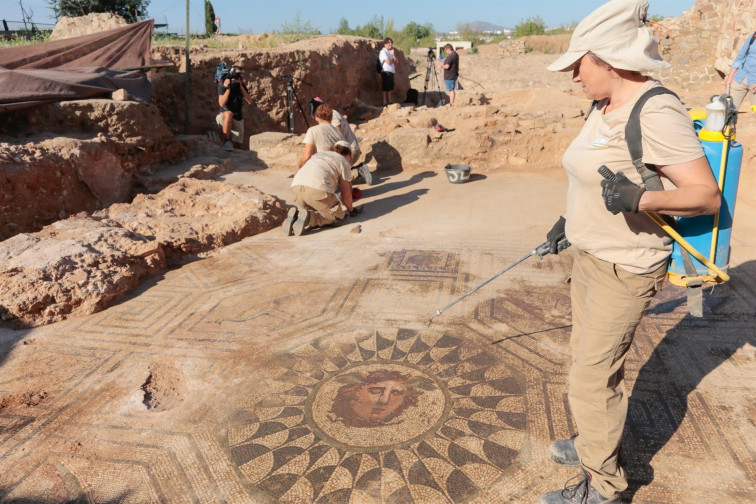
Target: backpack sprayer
x=702, y=232
x=541, y=250
x=717, y=137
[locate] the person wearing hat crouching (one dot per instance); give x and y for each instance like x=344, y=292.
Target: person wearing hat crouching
x=620, y=254
x=321, y=137
x=339, y=122
x=314, y=189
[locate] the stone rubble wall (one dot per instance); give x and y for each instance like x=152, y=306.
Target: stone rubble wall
x=704, y=41
x=69, y=27
x=512, y=47
x=73, y=156
x=338, y=68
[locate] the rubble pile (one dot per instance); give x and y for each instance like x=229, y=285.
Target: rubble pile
x=76, y=156
x=83, y=264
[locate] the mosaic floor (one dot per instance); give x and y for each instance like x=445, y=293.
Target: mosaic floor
x=295, y=385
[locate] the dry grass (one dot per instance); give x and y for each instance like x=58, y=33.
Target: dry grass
x=256, y=41
x=548, y=44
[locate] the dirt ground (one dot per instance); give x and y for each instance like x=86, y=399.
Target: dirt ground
x=219, y=381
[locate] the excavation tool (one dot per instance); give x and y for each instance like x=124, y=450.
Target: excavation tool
x=541, y=250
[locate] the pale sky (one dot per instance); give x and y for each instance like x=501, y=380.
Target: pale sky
x=253, y=16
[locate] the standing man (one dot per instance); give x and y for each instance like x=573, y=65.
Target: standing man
x=388, y=69
x=742, y=77
x=231, y=92
x=451, y=72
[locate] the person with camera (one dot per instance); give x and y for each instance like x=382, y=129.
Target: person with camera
x=451, y=72
x=314, y=190
x=231, y=93
x=388, y=69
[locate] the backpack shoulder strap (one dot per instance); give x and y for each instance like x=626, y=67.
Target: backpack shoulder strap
x=590, y=110
x=750, y=43
x=633, y=136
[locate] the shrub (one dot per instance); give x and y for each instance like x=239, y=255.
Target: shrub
x=530, y=26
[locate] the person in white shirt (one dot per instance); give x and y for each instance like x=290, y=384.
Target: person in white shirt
x=388, y=69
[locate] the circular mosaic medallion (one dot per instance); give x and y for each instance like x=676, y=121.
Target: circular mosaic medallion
x=387, y=415
x=377, y=406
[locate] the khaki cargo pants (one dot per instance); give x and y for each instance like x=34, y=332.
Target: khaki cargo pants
x=739, y=90
x=607, y=305
x=324, y=207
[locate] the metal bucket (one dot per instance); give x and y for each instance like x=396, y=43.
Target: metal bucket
x=458, y=173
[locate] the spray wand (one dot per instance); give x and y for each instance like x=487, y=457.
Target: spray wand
x=541, y=250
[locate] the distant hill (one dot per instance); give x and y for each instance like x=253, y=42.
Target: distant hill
x=484, y=26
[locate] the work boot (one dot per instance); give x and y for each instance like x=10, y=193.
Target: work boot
x=580, y=492
x=228, y=145
x=562, y=451
x=303, y=218
x=289, y=221
x=364, y=170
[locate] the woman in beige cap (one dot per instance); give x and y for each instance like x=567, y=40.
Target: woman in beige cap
x=621, y=256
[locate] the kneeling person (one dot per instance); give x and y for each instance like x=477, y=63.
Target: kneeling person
x=232, y=91
x=314, y=189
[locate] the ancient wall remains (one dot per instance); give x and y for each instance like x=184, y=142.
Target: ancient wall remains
x=340, y=69
x=512, y=47
x=704, y=41
x=69, y=27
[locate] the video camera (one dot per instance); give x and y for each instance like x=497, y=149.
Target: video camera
x=235, y=73
x=431, y=53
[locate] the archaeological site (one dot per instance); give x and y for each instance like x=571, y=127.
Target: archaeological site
x=162, y=340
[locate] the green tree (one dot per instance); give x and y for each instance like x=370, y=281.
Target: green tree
x=417, y=32
x=209, y=18
x=130, y=10
x=343, y=28
x=299, y=27
x=467, y=32
x=530, y=26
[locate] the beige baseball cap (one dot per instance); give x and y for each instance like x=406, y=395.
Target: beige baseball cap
x=615, y=32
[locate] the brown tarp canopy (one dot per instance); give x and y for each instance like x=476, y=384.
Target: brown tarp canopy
x=76, y=68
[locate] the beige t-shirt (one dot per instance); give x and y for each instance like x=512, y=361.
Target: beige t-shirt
x=322, y=136
x=632, y=241
x=339, y=122
x=323, y=171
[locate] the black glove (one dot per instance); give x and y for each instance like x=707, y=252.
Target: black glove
x=355, y=211
x=556, y=234
x=619, y=193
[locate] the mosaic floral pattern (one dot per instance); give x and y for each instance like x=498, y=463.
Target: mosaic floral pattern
x=390, y=415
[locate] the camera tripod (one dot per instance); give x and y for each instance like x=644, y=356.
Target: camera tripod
x=291, y=98
x=431, y=68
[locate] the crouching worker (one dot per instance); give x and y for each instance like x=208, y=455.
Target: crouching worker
x=339, y=122
x=314, y=190
x=232, y=92
x=321, y=137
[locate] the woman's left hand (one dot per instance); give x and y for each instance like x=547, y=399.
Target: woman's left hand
x=619, y=193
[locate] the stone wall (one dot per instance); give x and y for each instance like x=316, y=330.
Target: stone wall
x=338, y=68
x=69, y=27
x=704, y=41
x=512, y=47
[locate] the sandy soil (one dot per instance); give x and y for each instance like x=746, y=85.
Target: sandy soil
x=140, y=402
